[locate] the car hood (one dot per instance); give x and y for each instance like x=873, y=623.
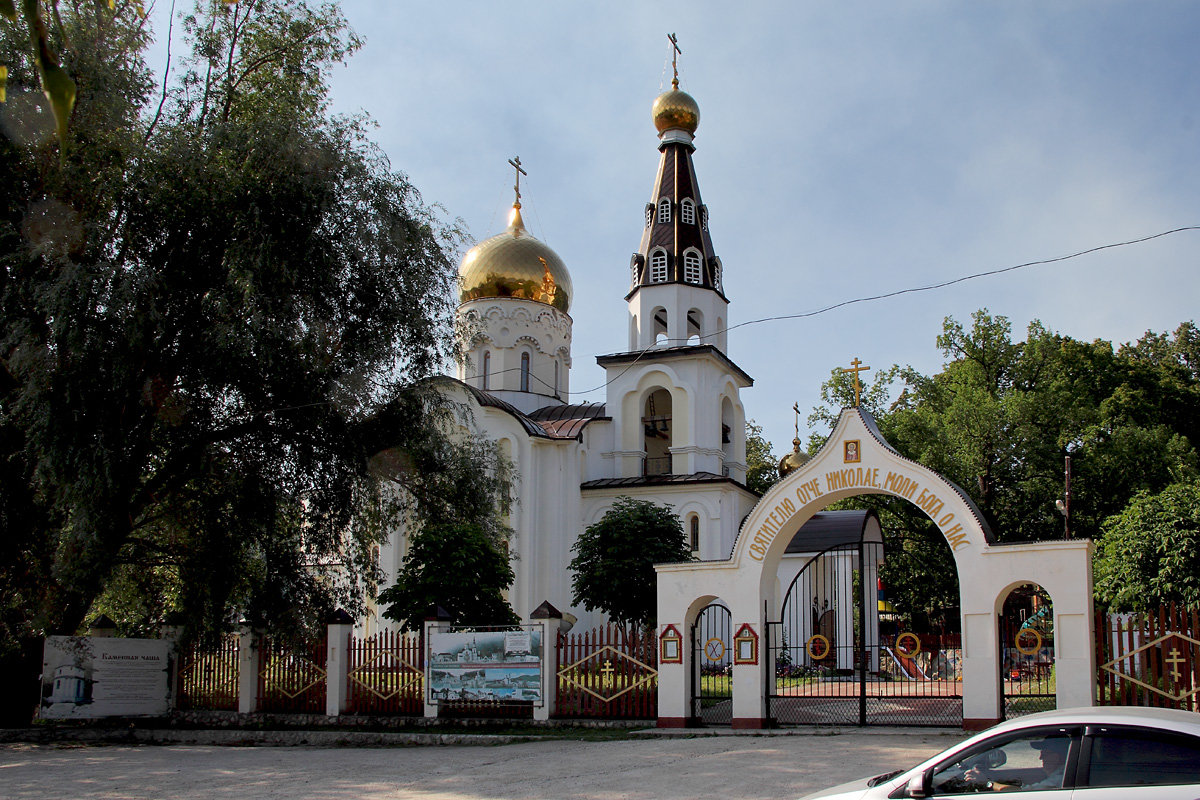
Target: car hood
x=852, y=790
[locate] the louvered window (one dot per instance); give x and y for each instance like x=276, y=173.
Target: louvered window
x=687, y=212
x=658, y=267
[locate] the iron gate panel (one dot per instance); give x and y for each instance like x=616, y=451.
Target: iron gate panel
x=833, y=663
x=712, y=659
x=1027, y=657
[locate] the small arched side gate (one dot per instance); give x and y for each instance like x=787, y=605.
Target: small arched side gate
x=712, y=657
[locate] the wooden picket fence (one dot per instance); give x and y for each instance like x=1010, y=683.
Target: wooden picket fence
x=386, y=674
x=208, y=677
x=608, y=673
x=292, y=680
x=1149, y=659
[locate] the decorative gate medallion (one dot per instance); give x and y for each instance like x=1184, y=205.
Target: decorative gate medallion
x=1168, y=660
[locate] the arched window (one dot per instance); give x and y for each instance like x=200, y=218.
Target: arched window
x=487, y=368
x=658, y=267
x=717, y=274
x=687, y=212
x=691, y=267
x=704, y=217
x=649, y=214
x=634, y=271
x=524, y=372
x=664, y=210
x=694, y=533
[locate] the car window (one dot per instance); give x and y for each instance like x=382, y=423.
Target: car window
x=1031, y=761
x=1131, y=757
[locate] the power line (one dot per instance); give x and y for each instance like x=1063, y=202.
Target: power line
x=871, y=298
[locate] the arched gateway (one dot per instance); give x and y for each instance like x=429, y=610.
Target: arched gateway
x=856, y=460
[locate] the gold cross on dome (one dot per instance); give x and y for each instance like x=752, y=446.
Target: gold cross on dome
x=516, y=164
x=856, y=367
x=796, y=408
x=675, y=52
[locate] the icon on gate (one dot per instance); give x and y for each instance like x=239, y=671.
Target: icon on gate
x=818, y=647
x=714, y=649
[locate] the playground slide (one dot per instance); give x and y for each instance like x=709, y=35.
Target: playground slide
x=908, y=667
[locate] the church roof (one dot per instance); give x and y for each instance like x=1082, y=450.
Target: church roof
x=567, y=421
x=661, y=353
x=675, y=235
x=659, y=480
x=550, y=422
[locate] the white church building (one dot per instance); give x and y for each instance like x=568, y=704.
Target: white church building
x=672, y=427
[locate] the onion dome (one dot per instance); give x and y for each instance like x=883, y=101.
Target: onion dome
x=515, y=264
x=676, y=109
x=793, y=460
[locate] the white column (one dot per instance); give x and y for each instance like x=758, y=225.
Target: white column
x=249, y=664
x=337, y=666
x=843, y=569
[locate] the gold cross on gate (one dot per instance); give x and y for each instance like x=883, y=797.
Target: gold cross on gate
x=856, y=367
x=607, y=670
x=675, y=52
x=1175, y=659
x=516, y=164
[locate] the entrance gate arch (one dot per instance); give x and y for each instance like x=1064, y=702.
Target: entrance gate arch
x=856, y=460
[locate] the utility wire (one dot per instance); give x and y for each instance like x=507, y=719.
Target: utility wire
x=870, y=298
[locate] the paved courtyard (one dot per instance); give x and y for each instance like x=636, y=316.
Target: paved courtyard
x=659, y=768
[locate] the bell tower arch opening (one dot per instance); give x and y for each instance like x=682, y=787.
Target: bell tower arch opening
x=657, y=432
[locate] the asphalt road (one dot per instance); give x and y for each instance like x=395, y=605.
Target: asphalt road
x=662, y=768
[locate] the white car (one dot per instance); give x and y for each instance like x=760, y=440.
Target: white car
x=1070, y=754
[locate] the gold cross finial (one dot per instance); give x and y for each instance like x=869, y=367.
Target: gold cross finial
x=675, y=53
x=516, y=164
x=856, y=367
x=796, y=408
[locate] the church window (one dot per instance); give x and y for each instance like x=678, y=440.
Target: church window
x=658, y=267
x=687, y=212
x=717, y=274
x=691, y=266
x=649, y=214
x=694, y=533
x=487, y=369
x=704, y=217
x=664, y=210
x=524, y=372
x=634, y=270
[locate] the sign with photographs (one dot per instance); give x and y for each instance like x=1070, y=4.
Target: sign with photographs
x=485, y=665
x=87, y=678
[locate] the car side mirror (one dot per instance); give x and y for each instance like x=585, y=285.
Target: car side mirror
x=916, y=786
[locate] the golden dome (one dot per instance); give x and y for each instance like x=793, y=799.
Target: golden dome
x=793, y=460
x=514, y=264
x=676, y=109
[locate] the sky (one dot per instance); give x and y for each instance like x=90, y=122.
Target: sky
x=845, y=150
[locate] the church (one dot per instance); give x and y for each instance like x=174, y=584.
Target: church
x=672, y=427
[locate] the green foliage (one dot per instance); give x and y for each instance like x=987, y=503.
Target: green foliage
x=213, y=301
x=613, y=567
x=1150, y=552
x=455, y=566
x=1001, y=417
x=762, y=468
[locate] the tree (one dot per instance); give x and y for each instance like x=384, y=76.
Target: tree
x=762, y=468
x=457, y=567
x=217, y=305
x=613, y=567
x=1149, y=554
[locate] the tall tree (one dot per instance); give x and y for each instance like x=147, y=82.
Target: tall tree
x=213, y=300
x=1150, y=552
x=613, y=567
x=762, y=468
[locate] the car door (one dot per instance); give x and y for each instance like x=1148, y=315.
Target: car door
x=1119, y=762
x=1013, y=762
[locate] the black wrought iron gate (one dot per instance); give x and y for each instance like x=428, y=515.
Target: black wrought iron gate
x=712, y=658
x=832, y=659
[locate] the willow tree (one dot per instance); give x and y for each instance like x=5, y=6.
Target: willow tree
x=216, y=298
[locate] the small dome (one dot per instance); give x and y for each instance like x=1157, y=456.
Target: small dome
x=793, y=460
x=676, y=109
x=514, y=264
